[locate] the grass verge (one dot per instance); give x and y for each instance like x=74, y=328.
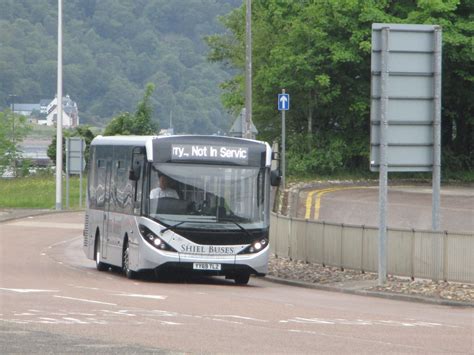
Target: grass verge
x=39, y=192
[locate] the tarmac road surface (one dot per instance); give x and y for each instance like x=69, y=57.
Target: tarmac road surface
x=53, y=300
x=408, y=206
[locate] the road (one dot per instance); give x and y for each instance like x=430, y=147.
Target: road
x=52, y=299
x=408, y=206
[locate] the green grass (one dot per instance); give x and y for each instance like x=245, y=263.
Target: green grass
x=38, y=192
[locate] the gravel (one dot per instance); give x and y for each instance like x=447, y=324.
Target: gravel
x=331, y=276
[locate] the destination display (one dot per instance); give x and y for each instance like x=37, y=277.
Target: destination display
x=206, y=152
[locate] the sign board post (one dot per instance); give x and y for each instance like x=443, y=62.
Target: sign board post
x=405, y=113
x=75, y=163
x=283, y=105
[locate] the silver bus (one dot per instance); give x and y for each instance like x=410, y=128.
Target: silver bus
x=188, y=203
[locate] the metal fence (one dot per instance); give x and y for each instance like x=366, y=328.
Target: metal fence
x=412, y=253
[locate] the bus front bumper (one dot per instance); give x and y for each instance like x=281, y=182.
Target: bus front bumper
x=254, y=264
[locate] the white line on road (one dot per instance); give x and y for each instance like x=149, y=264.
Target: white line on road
x=26, y=290
x=154, y=297
x=364, y=322
x=85, y=300
x=122, y=312
x=239, y=317
x=84, y=287
x=75, y=320
x=37, y=224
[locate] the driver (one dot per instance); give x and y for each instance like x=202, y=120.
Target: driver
x=165, y=188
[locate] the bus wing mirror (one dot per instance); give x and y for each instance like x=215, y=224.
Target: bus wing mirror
x=134, y=173
x=275, y=177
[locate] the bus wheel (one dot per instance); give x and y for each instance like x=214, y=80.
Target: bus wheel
x=99, y=264
x=130, y=274
x=242, y=279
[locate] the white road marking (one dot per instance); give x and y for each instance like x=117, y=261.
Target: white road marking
x=168, y=323
x=122, y=312
x=64, y=242
x=37, y=224
x=84, y=287
x=26, y=290
x=162, y=313
x=307, y=321
x=154, y=297
x=85, y=300
x=23, y=314
x=81, y=314
x=75, y=320
x=239, y=317
x=365, y=322
x=224, y=320
x=48, y=320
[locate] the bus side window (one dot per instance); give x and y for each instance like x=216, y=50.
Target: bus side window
x=100, y=182
x=122, y=194
x=136, y=175
x=91, y=181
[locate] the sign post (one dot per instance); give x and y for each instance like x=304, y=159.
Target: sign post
x=405, y=114
x=283, y=105
x=383, y=174
x=75, y=163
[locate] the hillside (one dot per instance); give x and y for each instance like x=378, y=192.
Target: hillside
x=111, y=49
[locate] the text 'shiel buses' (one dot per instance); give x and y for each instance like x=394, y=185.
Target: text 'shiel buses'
x=196, y=203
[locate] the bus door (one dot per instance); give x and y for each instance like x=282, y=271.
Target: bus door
x=107, y=218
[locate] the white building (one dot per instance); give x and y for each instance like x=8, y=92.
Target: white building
x=70, y=113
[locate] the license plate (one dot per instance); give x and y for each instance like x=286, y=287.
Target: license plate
x=206, y=266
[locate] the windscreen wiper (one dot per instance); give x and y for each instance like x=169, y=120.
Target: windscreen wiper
x=227, y=219
x=172, y=227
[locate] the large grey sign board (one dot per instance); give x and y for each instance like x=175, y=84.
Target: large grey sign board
x=76, y=163
x=410, y=97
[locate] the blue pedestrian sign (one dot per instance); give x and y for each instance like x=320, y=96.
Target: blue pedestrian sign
x=283, y=102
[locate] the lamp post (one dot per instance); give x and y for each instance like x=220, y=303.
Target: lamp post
x=248, y=69
x=59, y=106
x=12, y=102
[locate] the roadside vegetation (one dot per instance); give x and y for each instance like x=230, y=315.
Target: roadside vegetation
x=320, y=52
x=111, y=50
x=38, y=191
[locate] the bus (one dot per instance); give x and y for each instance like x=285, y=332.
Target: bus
x=212, y=217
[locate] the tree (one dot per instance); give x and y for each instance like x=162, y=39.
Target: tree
x=319, y=51
x=106, y=64
x=13, y=129
x=139, y=123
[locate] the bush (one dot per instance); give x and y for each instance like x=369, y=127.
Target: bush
x=309, y=156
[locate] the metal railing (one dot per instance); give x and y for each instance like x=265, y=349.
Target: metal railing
x=413, y=253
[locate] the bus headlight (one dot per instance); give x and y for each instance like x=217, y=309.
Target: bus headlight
x=154, y=240
x=256, y=246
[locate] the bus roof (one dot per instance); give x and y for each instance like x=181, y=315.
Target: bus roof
x=122, y=140
x=142, y=140
x=147, y=141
